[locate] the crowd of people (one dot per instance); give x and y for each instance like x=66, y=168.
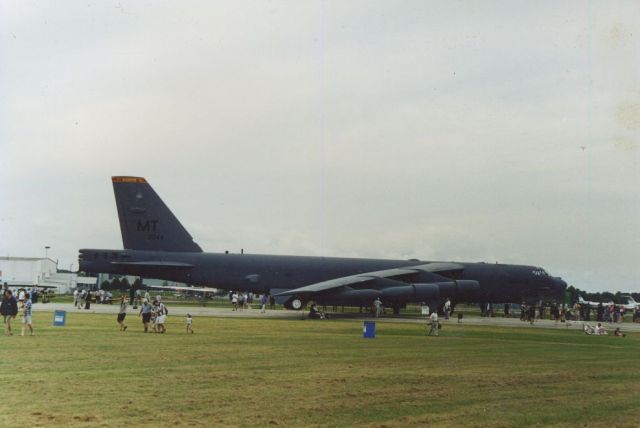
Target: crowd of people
x=10, y=307
x=241, y=301
x=154, y=312
x=530, y=312
x=83, y=298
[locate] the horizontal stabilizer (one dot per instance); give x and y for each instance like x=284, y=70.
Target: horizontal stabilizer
x=172, y=265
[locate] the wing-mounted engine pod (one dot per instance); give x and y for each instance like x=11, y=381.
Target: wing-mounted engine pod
x=427, y=292
x=430, y=291
x=358, y=296
x=467, y=289
x=412, y=292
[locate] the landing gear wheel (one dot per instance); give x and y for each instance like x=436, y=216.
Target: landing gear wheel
x=296, y=304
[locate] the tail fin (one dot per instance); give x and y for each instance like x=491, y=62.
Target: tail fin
x=145, y=221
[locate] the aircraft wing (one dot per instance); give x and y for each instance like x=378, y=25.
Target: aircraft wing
x=182, y=288
x=360, y=278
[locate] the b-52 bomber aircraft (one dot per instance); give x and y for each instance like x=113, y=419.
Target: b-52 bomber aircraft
x=158, y=246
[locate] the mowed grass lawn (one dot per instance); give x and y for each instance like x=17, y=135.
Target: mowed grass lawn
x=248, y=372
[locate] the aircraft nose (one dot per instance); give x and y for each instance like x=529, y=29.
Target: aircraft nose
x=559, y=285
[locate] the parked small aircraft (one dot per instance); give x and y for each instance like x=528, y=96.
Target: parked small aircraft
x=631, y=304
x=593, y=304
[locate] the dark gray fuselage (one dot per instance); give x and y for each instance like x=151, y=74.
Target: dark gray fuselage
x=265, y=273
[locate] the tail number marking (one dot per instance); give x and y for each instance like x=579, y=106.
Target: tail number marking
x=150, y=226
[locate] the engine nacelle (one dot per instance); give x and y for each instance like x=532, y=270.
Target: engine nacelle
x=467, y=288
x=358, y=296
x=430, y=291
x=412, y=292
x=427, y=292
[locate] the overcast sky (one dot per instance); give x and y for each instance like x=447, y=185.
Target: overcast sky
x=469, y=131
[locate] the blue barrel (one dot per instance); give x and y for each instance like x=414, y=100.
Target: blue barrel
x=369, y=330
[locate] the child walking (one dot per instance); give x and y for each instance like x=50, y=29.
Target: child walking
x=189, y=324
x=26, y=316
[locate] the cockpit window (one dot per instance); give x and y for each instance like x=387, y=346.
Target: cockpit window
x=540, y=272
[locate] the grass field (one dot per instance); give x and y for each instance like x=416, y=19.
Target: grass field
x=248, y=372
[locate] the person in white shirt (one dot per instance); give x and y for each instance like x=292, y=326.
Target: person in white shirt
x=433, y=319
x=600, y=330
x=189, y=324
x=122, y=314
x=234, y=300
x=447, y=309
x=26, y=316
x=378, y=305
x=161, y=317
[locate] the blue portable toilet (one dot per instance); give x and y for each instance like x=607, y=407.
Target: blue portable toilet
x=59, y=318
x=369, y=330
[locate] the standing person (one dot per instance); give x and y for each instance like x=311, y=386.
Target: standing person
x=433, y=319
x=189, y=324
x=263, y=303
x=122, y=314
x=245, y=298
x=272, y=302
x=532, y=313
x=447, y=309
x=81, y=296
x=234, y=300
x=240, y=301
x=9, y=310
x=576, y=312
x=75, y=297
x=87, y=300
x=147, y=296
x=138, y=299
x=26, y=315
x=378, y=305
x=161, y=317
x=154, y=316
x=506, y=310
x=145, y=312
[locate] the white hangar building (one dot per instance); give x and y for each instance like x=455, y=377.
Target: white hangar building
x=30, y=271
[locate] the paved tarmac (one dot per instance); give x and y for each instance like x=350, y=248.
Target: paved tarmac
x=201, y=311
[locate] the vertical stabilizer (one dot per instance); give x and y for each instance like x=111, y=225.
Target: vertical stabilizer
x=146, y=222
